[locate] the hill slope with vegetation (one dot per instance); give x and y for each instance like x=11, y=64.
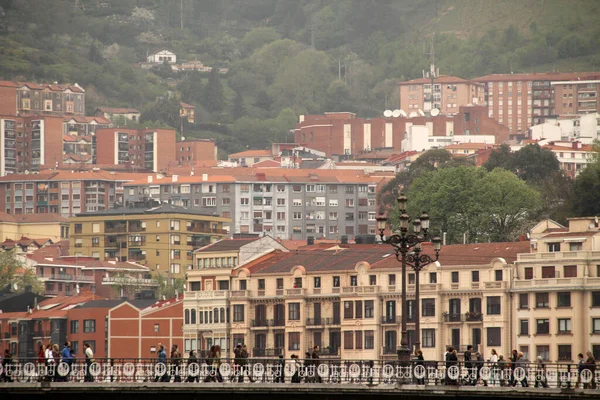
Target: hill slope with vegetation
x=284, y=57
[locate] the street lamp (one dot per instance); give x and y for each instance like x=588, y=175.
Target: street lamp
x=409, y=252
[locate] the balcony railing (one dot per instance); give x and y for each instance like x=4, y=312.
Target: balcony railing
x=122, y=228
x=295, y=292
x=69, y=278
x=261, y=323
x=390, y=350
x=390, y=319
x=452, y=317
x=198, y=229
x=258, y=352
x=206, y=294
x=473, y=316
x=318, y=321
x=360, y=289
x=128, y=281
x=240, y=293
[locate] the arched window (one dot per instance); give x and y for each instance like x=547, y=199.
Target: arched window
x=209, y=317
x=187, y=316
x=201, y=316
x=193, y=316
x=216, y=315
x=222, y=315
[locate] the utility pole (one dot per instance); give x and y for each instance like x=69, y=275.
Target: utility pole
x=181, y=14
x=312, y=35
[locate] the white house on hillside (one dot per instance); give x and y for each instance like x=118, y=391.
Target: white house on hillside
x=162, y=55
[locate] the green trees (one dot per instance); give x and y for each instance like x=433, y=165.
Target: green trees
x=14, y=272
x=484, y=206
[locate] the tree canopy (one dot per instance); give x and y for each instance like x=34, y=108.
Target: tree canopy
x=14, y=272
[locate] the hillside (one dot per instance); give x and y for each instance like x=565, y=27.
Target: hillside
x=285, y=57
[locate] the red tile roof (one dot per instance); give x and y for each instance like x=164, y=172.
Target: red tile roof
x=55, y=88
x=86, y=119
x=252, y=153
x=31, y=218
x=54, y=251
x=544, y=76
x=186, y=105
x=63, y=175
x=267, y=164
x=226, y=245
x=441, y=79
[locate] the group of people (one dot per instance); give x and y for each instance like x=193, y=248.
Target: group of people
x=500, y=367
x=51, y=357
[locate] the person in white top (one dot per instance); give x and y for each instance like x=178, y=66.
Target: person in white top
x=89, y=359
x=494, y=366
x=48, y=354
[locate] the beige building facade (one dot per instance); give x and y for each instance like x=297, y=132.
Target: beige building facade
x=556, y=291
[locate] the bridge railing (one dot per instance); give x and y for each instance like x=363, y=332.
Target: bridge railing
x=307, y=371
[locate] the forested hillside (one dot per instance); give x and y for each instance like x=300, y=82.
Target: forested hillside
x=285, y=57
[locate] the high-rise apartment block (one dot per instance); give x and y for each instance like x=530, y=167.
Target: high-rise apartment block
x=284, y=203
x=444, y=93
x=150, y=149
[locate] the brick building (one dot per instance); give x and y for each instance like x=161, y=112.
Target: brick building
x=151, y=149
x=522, y=100
x=135, y=331
x=42, y=99
x=29, y=141
x=448, y=95
x=194, y=152
x=63, y=192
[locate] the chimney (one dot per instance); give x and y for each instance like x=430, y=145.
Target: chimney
x=149, y=178
x=204, y=177
x=310, y=240
x=174, y=179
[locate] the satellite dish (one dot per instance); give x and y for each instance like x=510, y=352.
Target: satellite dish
x=396, y=113
x=387, y=113
x=183, y=138
x=421, y=113
x=435, y=112
x=403, y=113
x=413, y=114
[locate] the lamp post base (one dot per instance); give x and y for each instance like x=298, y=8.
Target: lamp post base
x=404, y=353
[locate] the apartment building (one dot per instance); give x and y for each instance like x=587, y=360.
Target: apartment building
x=522, y=100
x=346, y=299
x=200, y=151
x=284, y=203
x=162, y=237
x=206, y=302
x=250, y=157
x=79, y=125
x=34, y=226
x=115, y=114
x=21, y=98
x=29, y=142
x=445, y=93
x=63, y=192
x=150, y=149
x=556, y=291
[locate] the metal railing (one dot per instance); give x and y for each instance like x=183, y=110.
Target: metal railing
x=322, y=370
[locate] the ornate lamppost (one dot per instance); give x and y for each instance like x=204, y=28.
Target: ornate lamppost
x=409, y=252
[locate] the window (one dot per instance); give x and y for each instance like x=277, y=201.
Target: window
x=563, y=299
x=428, y=307
x=317, y=281
x=524, y=301
x=243, y=284
x=372, y=280
x=544, y=352
x=493, y=337
x=297, y=283
x=543, y=326
x=493, y=305
x=75, y=326
x=279, y=283
x=564, y=325
x=595, y=325
x=524, y=327
x=348, y=340
x=432, y=277
x=156, y=328
x=348, y=310
x=294, y=311
x=261, y=284
x=336, y=282
x=369, y=339
x=238, y=313
x=498, y=275
x=575, y=246
x=294, y=341
x=353, y=280
x=564, y=352
x=428, y=338
x=548, y=272
x=89, y=325
x=541, y=300
x=78, y=228
x=570, y=271
x=529, y=273
x=369, y=306
x=75, y=347
x=358, y=340
x=392, y=280
x=553, y=247
x=454, y=276
x=474, y=276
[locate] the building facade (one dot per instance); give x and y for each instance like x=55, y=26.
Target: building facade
x=114, y=114
x=556, y=292
x=150, y=149
x=162, y=238
x=193, y=152
x=22, y=98
x=284, y=203
x=447, y=94
x=63, y=192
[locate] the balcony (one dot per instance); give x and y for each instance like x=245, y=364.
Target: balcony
x=138, y=257
x=279, y=322
x=240, y=294
x=206, y=294
x=50, y=292
x=390, y=319
x=295, y=292
x=137, y=242
x=453, y=317
x=111, y=243
x=473, y=316
x=390, y=350
x=556, y=282
x=261, y=323
x=136, y=227
x=129, y=281
x=70, y=278
x=360, y=289
x=115, y=227
x=558, y=255
x=6, y=335
x=318, y=321
x=257, y=352
x=205, y=229
x=496, y=285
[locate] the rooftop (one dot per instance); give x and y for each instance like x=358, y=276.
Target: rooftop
x=164, y=208
x=227, y=245
x=252, y=153
x=117, y=110
x=32, y=218
x=543, y=76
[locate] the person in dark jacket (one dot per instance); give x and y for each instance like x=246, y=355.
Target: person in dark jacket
x=513, y=365
x=580, y=367
x=192, y=359
x=315, y=356
x=6, y=362
x=419, y=360
x=162, y=359
x=469, y=365
x=451, y=360
x=175, y=363
x=68, y=358
x=307, y=368
x=590, y=364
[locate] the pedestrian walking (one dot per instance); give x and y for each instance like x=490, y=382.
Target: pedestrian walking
x=192, y=359
x=89, y=359
x=590, y=364
x=540, y=373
